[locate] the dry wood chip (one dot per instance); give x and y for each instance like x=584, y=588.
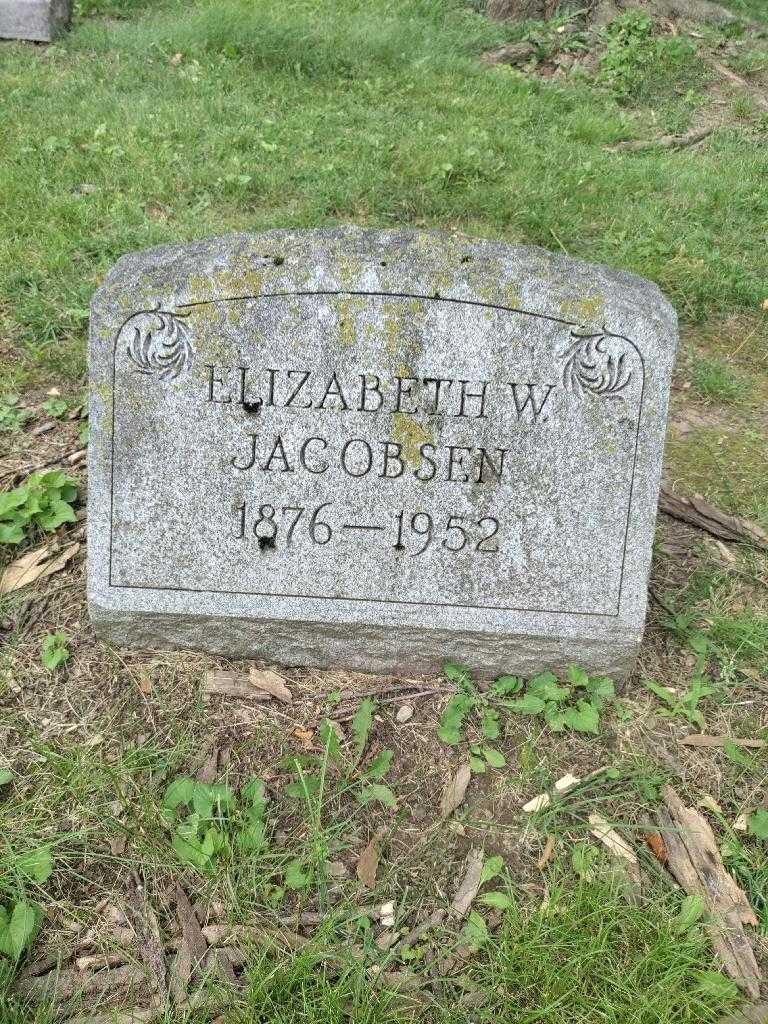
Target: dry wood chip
x=610, y=838
x=192, y=948
x=387, y=939
x=694, y=860
x=454, y=791
x=657, y=846
x=618, y=847
x=209, y=769
x=97, y=961
x=713, y=520
x=563, y=785
x=148, y=931
x=227, y=683
x=701, y=740
x=368, y=862
x=546, y=856
x=709, y=803
x=470, y=885
x=538, y=803
x=35, y=565
x=270, y=682
x=396, y=981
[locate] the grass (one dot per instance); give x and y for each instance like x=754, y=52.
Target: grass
x=728, y=467
x=305, y=114
x=714, y=379
x=590, y=956
x=158, y=122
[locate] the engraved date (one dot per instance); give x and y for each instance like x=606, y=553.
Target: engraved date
x=410, y=532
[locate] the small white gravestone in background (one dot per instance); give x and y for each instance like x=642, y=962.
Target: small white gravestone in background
x=38, y=20
x=376, y=449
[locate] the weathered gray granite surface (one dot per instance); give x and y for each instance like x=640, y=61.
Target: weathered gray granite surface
x=376, y=449
x=38, y=20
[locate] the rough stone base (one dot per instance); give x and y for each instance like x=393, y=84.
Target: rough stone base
x=39, y=20
x=365, y=648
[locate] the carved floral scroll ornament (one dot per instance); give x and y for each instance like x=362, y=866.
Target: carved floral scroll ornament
x=157, y=342
x=596, y=362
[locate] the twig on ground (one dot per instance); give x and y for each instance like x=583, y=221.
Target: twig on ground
x=663, y=142
x=347, y=716
x=61, y=986
x=434, y=920
x=701, y=740
x=546, y=856
x=192, y=948
x=470, y=885
x=694, y=860
x=145, y=924
x=700, y=513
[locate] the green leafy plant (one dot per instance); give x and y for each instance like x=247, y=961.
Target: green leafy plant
x=685, y=703
x=636, y=60
x=757, y=823
x=55, y=407
x=364, y=780
x=44, y=501
x=209, y=821
x=12, y=415
x=472, y=705
x=19, y=917
x=691, y=911
x=475, y=932
x=54, y=651
x=574, y=704
x=19, y=923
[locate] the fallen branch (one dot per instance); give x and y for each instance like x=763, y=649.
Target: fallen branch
x=147, y=930
x=663, y=142
x=694, y=860
x=61, y=986
x=470, y=885
x=192, y=948
x=513, y=53
x=434, y=920
x=701, y=514
x=701, y=740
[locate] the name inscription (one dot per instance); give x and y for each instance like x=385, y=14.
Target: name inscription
x=365, y=450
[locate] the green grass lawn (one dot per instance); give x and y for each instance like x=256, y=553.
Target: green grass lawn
x=158, y=122
x=303, y=114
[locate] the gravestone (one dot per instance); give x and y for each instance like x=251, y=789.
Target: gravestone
x=39, y=20
x=374, y=449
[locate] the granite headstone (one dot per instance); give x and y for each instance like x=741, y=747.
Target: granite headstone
x=38, y=20
x=376, y=449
